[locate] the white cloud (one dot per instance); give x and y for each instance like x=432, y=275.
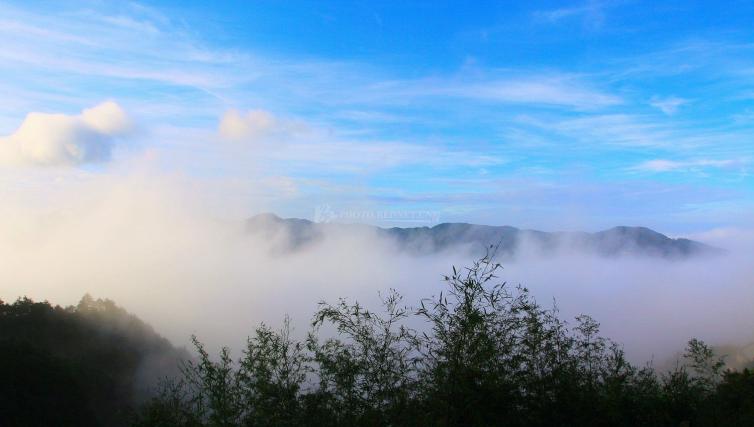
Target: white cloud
x=554, y=90
x=668, y=105
x=294, y=146
x=659, y=165
x=58, y=139
x=549, y=91
x=610, y=129
x=592, y=14
x=254, y=124
x=107, y=118
x=662, y=165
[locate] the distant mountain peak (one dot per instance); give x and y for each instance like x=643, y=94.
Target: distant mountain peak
x=615, y=241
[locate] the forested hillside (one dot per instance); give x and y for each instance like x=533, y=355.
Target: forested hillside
x=91, y=364
x=487, y=354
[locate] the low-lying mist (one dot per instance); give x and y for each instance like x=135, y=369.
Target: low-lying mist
x=154, y=246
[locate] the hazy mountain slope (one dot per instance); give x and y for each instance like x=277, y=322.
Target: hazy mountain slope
x=293, y=233
x=85, y=365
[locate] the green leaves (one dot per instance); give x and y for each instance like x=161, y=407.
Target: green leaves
x=489, y=352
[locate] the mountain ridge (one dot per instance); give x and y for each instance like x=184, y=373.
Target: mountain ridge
x=508, y=240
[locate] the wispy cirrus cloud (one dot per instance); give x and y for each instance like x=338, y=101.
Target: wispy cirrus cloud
x=296, y=147
x=664, y=165
x=591, y=13
x=558, y=90
x=563, y=91
x=641, y=133
x=329, y=120
x=619, y=129
x=668, y=105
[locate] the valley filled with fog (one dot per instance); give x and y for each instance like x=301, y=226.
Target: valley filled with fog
x=151, y=245
x=399, y=213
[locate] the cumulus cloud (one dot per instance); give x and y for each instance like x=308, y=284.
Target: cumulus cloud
x=252, y=124
x=58, y=139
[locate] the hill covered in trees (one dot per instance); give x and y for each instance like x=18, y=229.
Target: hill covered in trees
x=90, y=364
x=487, y=353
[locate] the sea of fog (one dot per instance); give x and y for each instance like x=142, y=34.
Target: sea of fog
x=153, y=247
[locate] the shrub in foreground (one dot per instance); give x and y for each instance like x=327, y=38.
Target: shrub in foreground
x=490, y=355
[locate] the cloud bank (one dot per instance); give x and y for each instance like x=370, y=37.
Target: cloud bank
x=152, y=244
x=45, y=139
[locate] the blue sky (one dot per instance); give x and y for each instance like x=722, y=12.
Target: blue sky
x=553, y=115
